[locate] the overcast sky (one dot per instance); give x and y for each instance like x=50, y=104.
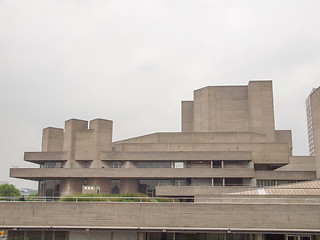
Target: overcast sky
x=133, y=61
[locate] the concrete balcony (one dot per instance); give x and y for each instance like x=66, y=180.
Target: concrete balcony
x=177, y=156
x=282, y=175
x=37, y=157
x=141, y=173
x=231, y=217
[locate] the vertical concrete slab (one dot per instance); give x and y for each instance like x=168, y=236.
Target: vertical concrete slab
x=261, y=112
x=187, y=116
x=71, y=128
x=201, y=110
x=102, y=130
x=52, y=140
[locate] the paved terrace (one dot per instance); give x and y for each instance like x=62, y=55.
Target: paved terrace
x=223, y=216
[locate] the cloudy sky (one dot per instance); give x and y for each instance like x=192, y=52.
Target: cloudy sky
x=133, y=61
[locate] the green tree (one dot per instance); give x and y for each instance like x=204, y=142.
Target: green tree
x=8, y=190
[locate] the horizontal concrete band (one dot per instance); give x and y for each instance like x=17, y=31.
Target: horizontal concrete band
x=165, y=229
x=276, y=217
x=45, y=156
x=146, y=156
x=285, y=175
x=176, y=156
x=161, y=173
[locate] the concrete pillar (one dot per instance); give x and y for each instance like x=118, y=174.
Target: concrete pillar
x=102, y=130
x=141, y=235
x=71, y=186
x=103, y=183
x=129, y=185
x=128, y=164
x=258, y=237
x=69, y=144
x=52, y=140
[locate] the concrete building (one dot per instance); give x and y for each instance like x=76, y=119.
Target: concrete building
x=228, y=144
x=309, y=124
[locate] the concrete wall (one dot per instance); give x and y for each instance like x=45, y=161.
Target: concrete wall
x=285, y=175
x=221, y=109
x=272, y=153
x=299, y=163
x=161, y=215
x=187, y=116
x=284, y=136
x=261, y=113
x=197, y=137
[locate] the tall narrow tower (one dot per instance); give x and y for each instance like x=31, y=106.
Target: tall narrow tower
x=315, y=126
x=309, y=122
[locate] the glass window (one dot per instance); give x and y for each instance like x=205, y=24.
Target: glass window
x=154, y=164
x=49, y=188
x=60, y=235
x=34, y=235
x=116, y=164
x=180, y=182
x=51, y=165
x=115, y=186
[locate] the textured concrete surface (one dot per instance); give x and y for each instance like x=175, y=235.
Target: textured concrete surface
x=161, y=215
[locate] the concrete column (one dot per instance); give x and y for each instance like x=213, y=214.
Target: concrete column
x=129, y=185
x=141, y=235
x=103, y=183
x=102, y=130
x=71, y=186
x=52, y=140
x=69, y=144
x=128, y=164
x=258, y=237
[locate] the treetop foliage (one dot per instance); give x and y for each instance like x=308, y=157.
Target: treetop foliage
x=8, y=190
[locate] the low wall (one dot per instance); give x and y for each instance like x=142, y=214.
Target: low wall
x=188, y=216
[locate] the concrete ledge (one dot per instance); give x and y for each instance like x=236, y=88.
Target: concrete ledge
x=205, y=216
x=161, y=173
x=292, y=175
x=176, y=156
x=45, y=156
x=198, y=190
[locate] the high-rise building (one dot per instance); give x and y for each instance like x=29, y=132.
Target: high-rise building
x=309, y=123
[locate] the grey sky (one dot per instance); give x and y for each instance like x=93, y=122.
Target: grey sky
x=133, y=61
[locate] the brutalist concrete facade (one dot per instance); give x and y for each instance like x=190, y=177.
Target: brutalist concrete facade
x=228, y=139
x=228, y=149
